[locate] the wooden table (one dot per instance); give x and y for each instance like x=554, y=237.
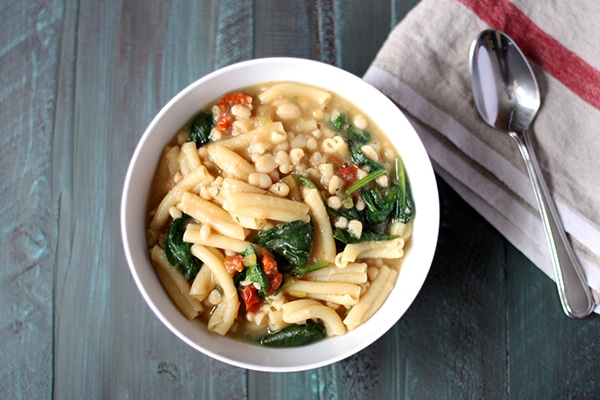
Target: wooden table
x=80, y=82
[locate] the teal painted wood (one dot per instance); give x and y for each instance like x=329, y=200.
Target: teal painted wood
x=81, y=80
x=29, y=42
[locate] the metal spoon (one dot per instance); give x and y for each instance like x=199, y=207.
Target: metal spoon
x=507, y=97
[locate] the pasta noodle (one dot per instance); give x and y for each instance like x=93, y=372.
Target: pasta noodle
x=262, y=206
x=211, y=214
x=177, y=287
x=317, y=96
x=334, y=292
x=257, y=221
x=231, y=163
x=270, y=135
x=215, y=240
x=303, y=310
x=162, y=213
x=372, y=299
x=353, y=273
x=372, y=249
x=324, y=244
x=226, y=312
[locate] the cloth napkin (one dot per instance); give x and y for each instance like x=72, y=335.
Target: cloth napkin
x=423, y=66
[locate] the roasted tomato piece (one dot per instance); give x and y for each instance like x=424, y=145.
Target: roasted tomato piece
x=229, y=100
x=349, y=174
x=269, y=266
x=250, y=297
x=234, y=264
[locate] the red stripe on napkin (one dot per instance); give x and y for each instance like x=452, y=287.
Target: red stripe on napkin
x=560, y=62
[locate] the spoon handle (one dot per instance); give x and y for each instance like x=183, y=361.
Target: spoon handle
x=574, y=293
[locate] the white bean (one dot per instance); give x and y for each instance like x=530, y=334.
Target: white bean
x=260, y=179
x=287, y=111
x=265, y=163
x=355, y=228
x=280, y=189
x=240, y=111
x=360, y=122
x=370, y=153
x=334, y=202
x=335, y=184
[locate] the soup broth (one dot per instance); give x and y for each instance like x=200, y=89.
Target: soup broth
x=280, y=214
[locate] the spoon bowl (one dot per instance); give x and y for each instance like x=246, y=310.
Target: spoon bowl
x=505, y=90
x=507, y=98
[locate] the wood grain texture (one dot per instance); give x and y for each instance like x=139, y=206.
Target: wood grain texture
x=29, y=37
x=81, y=80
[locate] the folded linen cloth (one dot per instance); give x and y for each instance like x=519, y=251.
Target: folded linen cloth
x=423, y=66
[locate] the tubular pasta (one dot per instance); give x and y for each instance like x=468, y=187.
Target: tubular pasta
x=230, y=162
x=225, y=313
x=171, y=157
x=334, y=292
x=293, y=90
x=323, y=241
x=373, y=249
x=299, y=311
x=215, y=240
x=353, y=273
x=188, y=157
x=372, y=300
x=175, y=284
x=269, y=135
x=162, y=212
x=210, y=214
x=203, y=284
x=263, y=206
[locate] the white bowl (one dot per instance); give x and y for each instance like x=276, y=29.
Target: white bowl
x=186, y=104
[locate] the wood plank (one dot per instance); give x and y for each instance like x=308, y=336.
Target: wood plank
x=551, y=355
x=451, y=343
x=29, y=44
x=128, y=62
x=361, y=28
x=80, y=82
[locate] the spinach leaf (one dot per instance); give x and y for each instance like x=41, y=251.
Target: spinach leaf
x=362, y=182
x=294, y=335
x=378, y=209
x=404, y=206
x=305, y=180
x=356, y=139
x=338, y=123
x=348, y=213
x=202, y=124
x=309, y=268
x=254, y=272
x=290, y=242
x=178, y=252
